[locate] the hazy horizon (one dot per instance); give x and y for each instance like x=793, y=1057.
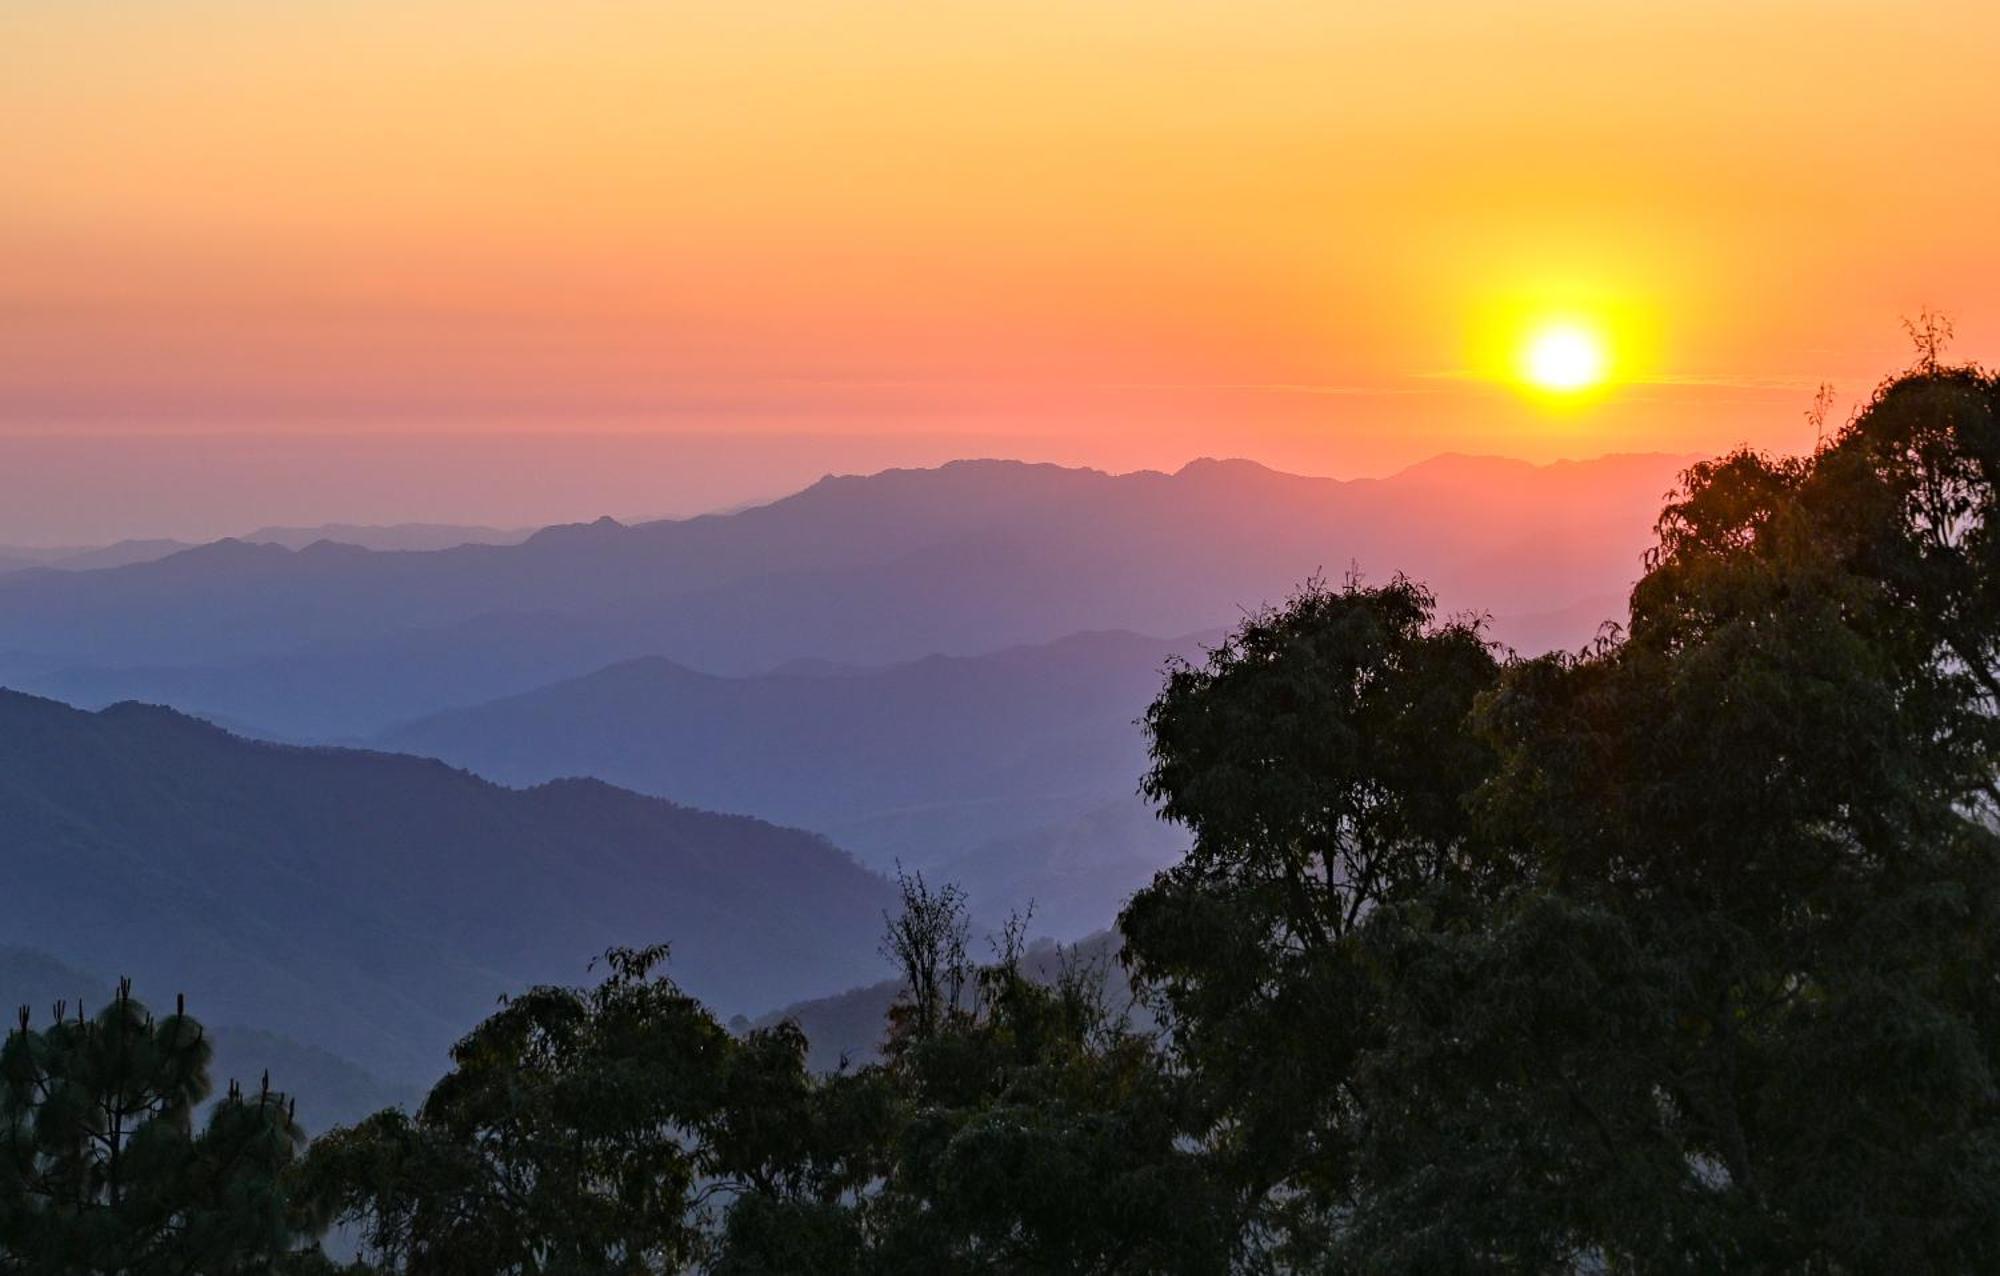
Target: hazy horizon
x=208, y=486
x=520, y=263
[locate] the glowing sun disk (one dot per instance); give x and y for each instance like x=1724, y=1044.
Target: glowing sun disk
x=1564, y=358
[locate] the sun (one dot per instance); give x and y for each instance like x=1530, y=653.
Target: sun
x=1563, y=358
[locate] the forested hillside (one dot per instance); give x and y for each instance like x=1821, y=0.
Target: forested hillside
x=372, y=904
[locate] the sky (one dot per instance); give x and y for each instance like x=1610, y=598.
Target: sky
x=511, y=261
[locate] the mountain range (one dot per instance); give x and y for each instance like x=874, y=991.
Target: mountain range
x=392, y=536
x=1017, y=769
x=940, y=668
x=375, y=906
x=334, y=642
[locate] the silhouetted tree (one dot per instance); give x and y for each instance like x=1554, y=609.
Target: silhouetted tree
x=925, y=940
x=102, y=1170
x=566, y=1138
x=1030, y=1131
x=1681, y=955
x=1320, y=760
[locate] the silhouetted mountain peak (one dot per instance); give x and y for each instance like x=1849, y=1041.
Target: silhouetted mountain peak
x=646, y=670
x=990, y=478
x=157, y=715
x=232, y=547
x=1230, y=467
x=390, y=537
x=227, y=552
x=816, y=667
x=24, y=706
x=1461, y=467
x=600, y=529
x=332, y=549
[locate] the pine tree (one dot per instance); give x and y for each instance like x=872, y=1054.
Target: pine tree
x=101, y=1166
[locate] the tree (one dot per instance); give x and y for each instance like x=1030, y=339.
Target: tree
x=1043, y=1136
x=925, y=941
x=1320, y=761
x=101, y=1169
x=1021, y=1126
x=566, y=1138
x=1680, y=956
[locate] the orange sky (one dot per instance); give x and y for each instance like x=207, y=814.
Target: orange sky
x=1116, y=233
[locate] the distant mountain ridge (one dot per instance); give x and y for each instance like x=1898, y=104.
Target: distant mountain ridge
x=374, y=905
x=1016, y=753
x=331, y=642
x=14, y=558
x=391, y=537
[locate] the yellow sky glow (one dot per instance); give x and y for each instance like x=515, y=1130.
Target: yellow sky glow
x=1311, y=233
